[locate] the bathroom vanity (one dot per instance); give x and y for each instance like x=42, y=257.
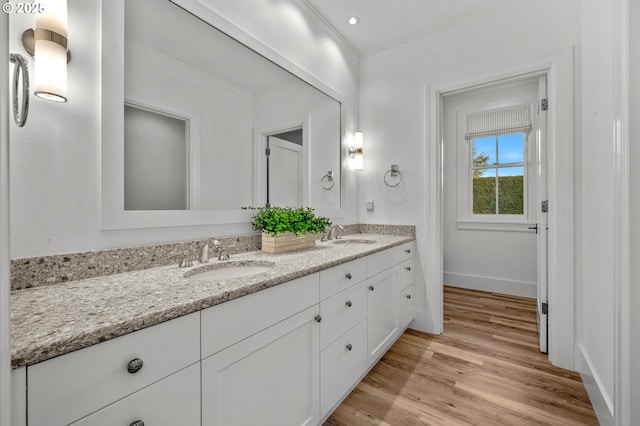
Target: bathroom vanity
x=284, y=346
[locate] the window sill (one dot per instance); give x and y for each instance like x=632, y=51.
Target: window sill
x=486, y=225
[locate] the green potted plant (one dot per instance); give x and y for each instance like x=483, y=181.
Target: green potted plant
x=288, y=228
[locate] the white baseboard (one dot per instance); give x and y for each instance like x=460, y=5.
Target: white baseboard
x=601, y=402
x=495, y=285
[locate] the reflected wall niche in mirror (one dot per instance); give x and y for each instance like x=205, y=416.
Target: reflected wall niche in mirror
x=196, y=127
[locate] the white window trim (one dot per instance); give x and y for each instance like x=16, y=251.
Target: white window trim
x=466, y=220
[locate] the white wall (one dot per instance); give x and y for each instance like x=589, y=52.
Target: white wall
x=634, y=214
x=220, y=116
x=393, y=104
x=55, y=159
x=319, y=115
x=594, y=207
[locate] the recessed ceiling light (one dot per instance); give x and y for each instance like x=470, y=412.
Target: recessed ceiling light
x=353, y=20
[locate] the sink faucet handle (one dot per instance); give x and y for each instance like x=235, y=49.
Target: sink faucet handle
x=185, y=262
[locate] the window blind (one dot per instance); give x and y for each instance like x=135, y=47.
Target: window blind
x=500, y=121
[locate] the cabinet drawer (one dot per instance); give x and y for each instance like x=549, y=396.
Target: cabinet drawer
x=341, y=312
x=406, y=250
x=343, y=276
x=382, y=261
x=341, y=367
x=174, y=400
x=407, y=302
x=228, y=323
x=406, y=273
x=69, y=387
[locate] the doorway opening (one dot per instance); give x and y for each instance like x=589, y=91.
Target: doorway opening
x=494, y=187
x=284, y=159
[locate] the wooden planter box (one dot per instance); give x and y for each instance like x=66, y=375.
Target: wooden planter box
x=287, y=241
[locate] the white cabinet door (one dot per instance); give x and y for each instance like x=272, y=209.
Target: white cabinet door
x=407, y=301
x=342, y=364
x=271, y=378
x=19, y=397
x=383, y=313
x=174, y=400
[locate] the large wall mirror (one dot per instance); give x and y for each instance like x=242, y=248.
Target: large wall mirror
x=197, y=126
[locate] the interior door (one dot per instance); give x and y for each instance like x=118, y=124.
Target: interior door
x=542, y=208
x=285, y=173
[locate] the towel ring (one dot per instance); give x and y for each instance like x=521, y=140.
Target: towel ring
x=20, y=66
x=394, y=172
x=327, y=182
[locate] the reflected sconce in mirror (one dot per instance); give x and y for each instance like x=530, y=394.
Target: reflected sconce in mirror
x=47, y=43
x=356, y=151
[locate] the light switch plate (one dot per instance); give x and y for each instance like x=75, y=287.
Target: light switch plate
x=370, y=205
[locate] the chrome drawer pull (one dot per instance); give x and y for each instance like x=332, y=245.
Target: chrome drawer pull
x=137, y=423
x=349, y=303
x=349, y=276
x=408, y=268
x=349, y=347
x=134, y=365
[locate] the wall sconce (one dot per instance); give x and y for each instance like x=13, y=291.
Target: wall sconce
x=47, y=43
x=356, y=151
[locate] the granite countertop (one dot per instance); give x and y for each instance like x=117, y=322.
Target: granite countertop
x=57, y=319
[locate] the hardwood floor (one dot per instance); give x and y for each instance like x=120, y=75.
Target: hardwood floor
x=485, y=369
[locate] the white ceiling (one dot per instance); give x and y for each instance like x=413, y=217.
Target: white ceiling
x=385, y=24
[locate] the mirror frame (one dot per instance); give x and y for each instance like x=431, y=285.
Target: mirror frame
x=113, y=214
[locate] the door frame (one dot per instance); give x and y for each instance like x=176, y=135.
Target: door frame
x=5, y=282
x=560, y=177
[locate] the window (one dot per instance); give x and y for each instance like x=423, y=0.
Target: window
x=497, y=174
x=493, y=181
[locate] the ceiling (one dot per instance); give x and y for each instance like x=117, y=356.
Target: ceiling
x=385, y=24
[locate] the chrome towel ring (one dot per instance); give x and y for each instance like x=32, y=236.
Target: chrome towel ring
x=20, y=66
x=327, y=181
x=393, y=177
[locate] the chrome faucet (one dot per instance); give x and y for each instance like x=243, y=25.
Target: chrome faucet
x=221, y=250
x=335, y=232
x=204, y=252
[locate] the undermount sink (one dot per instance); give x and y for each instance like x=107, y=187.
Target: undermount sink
x=228, y=270
x=354, y=241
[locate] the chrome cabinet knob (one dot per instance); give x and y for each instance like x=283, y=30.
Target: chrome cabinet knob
x=134, y=365
x=408, y=268
x=408, y=296
x=408, y=251
x=318, y=318
x=371, y=288
x=349, y=303
x=349, y=276
x=349, y=347
x=137, y=423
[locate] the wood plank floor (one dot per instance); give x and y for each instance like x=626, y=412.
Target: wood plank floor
x=485, y=369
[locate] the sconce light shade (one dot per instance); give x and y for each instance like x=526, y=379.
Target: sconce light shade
x=49, y=50
x=356, y=151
